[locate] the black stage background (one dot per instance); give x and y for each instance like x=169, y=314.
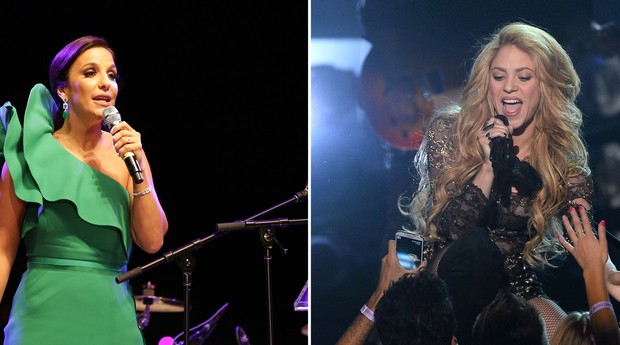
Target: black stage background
x=220, y=96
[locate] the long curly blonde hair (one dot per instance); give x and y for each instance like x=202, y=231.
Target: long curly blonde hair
x=558, y=152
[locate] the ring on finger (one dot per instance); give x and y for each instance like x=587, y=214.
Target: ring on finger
x=488, y=135
x=128, y=140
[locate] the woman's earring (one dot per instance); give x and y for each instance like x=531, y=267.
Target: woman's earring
x=65, y=105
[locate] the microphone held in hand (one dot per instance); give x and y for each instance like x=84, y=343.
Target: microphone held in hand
x=501, y=161
x=111, y=117
x=499, y=146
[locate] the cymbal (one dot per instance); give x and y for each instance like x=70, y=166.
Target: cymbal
x=159, y=304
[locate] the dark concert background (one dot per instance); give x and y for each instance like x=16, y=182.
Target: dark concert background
x=365, y=57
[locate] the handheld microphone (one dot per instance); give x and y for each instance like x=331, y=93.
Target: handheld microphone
x=111, y=117
x=499, y=145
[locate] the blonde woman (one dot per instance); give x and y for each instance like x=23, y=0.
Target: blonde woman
x=498, y=185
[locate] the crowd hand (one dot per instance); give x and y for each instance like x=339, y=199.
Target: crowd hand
x=612, y=279
x=391, y=269
x=588, y=251
x=593, y=257
x=613, y=276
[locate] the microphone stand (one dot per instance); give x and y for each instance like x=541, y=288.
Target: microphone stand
x=186, y=261
x=267, y=236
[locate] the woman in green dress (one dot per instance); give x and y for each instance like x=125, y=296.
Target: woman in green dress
x=66, y=191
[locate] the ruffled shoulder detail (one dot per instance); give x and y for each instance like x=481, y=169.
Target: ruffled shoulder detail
x=6, y=113
x=42, y=169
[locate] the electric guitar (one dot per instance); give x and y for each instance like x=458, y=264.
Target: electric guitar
x=396, y=98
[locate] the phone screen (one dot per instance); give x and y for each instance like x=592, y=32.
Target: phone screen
x=409, y=249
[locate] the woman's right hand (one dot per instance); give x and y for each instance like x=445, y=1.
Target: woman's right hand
x=492, y=128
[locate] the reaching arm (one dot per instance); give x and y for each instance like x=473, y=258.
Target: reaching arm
x=612, y=277
x=391, y=270
x=592, y=254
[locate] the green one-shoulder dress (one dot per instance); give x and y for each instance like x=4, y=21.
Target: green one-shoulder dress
x=77, y=239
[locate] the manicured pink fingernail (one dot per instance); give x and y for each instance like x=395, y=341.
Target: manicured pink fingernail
x=571, y=209
x=603, y=223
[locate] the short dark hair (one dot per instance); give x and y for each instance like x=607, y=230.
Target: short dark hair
x=416, y=310
x=509, y=320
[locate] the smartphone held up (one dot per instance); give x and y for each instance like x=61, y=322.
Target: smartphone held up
x=409, y=249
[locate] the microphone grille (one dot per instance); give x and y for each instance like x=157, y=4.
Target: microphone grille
x=111, y=116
